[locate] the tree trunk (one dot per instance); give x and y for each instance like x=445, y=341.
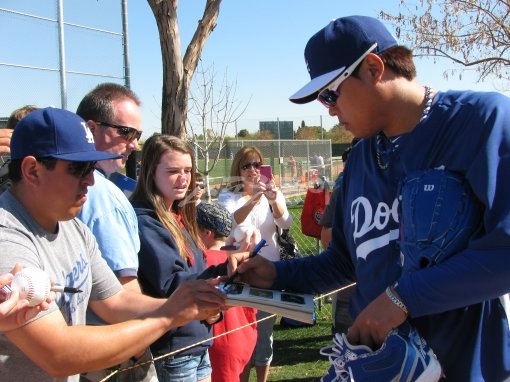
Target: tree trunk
x=178, y=72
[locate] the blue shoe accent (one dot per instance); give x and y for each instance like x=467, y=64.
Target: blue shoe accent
x=339, y=354
x=404, y=356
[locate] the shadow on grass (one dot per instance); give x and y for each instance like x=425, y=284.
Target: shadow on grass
x=294, y=351
x=296, y=354
x=297, y=345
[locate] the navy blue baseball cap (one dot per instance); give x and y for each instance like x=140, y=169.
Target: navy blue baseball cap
x=337, y=46
x=55, y=133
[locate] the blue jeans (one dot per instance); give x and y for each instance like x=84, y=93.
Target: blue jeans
x=186, y=368
x=438, y=215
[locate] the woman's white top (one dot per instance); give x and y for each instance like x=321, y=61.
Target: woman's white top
x=260, y=217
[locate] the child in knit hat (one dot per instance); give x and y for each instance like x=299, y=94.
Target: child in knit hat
x=229, y=353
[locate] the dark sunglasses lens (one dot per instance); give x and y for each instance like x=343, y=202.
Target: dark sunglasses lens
x=81, y=169
x=129, y=133
x=255, y=165
x=328, y=98
x=126, y=133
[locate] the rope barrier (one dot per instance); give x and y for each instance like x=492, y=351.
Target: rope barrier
x=113, y=373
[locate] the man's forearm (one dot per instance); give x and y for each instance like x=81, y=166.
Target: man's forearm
x=61, y=350
x=99, y=346
x=125, y=305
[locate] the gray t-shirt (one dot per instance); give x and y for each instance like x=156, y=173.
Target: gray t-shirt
x=70, y=256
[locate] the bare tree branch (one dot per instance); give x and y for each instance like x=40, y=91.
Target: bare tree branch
x=213, y=107
x=471, y=33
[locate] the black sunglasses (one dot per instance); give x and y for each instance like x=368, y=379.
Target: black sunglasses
x=255, y=165
x=81, y=169
x=328, y=98
x=126, y=132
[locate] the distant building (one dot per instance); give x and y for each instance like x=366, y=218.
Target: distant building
x=286, y=128
x=3, y=122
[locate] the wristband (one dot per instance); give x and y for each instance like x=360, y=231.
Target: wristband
x=394, y=299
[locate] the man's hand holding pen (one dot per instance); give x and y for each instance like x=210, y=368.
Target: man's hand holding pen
x=253, y=270
x=252, y=254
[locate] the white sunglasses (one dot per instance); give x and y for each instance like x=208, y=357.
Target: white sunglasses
x=328, y=95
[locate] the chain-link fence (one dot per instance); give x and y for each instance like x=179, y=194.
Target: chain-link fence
x=308, y=246
x=52, y=55
x=296, y=167
x=296, y=164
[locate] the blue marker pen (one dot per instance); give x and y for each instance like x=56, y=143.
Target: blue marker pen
x=253, y=253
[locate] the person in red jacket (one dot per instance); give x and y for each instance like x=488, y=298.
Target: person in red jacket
x=230, y=352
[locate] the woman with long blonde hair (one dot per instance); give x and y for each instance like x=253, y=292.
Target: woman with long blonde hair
x=171, y=249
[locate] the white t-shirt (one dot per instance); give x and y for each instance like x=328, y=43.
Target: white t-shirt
x=260, y=217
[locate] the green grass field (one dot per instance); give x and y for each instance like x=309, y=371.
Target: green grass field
x=296, y=353
x=296, y=350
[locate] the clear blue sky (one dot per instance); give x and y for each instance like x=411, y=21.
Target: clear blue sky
x=259, y=42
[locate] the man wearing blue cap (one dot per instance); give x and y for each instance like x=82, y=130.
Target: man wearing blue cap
x=52, y=161
x=459, y=304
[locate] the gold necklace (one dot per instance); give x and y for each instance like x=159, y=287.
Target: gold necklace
x=393, y=143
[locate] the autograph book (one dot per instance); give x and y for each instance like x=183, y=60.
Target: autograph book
x=298, y=306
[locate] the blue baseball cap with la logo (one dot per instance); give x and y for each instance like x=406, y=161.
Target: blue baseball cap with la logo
x=55, y=133
x=335, y=47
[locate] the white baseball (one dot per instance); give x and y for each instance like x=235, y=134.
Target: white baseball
x=241, y=231
x=245, y=232
x=33, y=284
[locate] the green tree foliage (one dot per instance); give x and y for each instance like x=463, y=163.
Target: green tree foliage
x=243, y=133
x=310, y=132
x=263, y=134
x=338, y=134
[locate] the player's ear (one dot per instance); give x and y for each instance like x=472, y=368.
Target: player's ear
x=373, y=66
x=31, y=170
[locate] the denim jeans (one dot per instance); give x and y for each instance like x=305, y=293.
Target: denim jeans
x=187, y=368
x=438, y=215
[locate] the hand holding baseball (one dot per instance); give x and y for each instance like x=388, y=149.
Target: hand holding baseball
x=14, y=309
x=246, y=236
x=33, y=285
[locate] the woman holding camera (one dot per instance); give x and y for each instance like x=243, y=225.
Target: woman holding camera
x=253, y=200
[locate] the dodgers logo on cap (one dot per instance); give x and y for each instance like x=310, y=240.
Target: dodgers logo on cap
x=335, y=47
x=55, y=133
